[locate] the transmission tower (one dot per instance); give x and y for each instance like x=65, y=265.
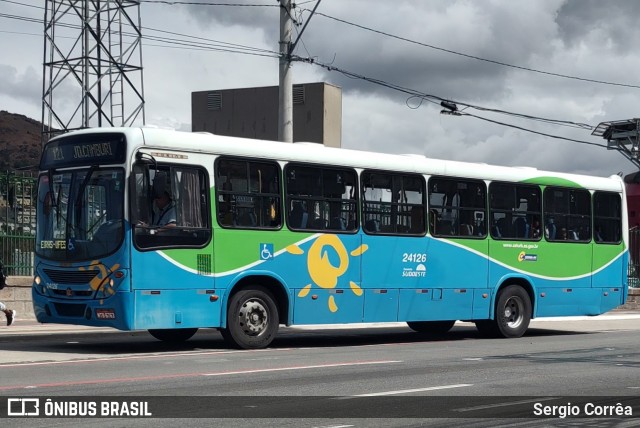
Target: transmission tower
x=92, y=65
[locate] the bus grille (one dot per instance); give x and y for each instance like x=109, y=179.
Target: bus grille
x=70, y=309
x=77, y=293
x=71, y=276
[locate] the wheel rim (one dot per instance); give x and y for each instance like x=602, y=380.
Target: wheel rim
x=253, y=317
x=514, y=312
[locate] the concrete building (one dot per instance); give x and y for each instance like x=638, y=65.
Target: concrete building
x=253, y=113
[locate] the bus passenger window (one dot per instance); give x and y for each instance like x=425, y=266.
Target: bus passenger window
x=457, y=207
x=248, y=194
x=567, y=214
x=607, y=213
x=514, y=211
x=321, y=198
x=393, y=203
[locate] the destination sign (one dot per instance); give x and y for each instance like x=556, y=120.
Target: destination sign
x=87, y=149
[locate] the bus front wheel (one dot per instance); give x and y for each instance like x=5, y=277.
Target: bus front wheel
x=513, y=314
x=173, y=335
x=252, y=319
x=431, y=327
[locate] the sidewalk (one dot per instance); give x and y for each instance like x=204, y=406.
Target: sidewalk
x=31, y=326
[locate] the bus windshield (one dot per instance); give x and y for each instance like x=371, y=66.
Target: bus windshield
x=80, y=213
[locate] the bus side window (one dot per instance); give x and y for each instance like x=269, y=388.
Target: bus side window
x=607, y=212
x=457, y=207
x=321, y=198
x=248, y=193
x=393, y=203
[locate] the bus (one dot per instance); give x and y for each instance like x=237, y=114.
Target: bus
x=262, y=234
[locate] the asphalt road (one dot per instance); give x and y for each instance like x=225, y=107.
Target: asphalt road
x=382, y=376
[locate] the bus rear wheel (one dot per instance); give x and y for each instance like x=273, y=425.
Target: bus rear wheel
x=513, y=314
x=431, y=327
x=173, y=335
x=252, y=319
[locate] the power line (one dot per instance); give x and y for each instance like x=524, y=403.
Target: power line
x=504, y=64
x=437, y=100
x=201, y=43
x=193, y=3
x=532, y=131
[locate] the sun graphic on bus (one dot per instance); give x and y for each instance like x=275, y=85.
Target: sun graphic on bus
x=322, y=272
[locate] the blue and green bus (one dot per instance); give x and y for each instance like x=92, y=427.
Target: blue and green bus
x=267, y=233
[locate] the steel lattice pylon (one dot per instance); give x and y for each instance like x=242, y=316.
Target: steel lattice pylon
x=92, y=65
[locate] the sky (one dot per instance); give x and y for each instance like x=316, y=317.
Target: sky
x=494, y=54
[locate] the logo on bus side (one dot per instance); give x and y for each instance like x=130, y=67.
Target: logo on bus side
x=322, y=272
x=524, y=257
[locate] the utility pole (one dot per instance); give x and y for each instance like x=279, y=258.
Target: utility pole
x=285, y=94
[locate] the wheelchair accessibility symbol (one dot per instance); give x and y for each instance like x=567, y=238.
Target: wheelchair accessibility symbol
x=266, y=251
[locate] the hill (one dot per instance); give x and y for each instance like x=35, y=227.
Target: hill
x=20, y=142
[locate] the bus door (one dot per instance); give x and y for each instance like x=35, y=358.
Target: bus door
x=457, y=264
x=609, y=267
x=563, y=260
x=394, y=263
x=172, y=255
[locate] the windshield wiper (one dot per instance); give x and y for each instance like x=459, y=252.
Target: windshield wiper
x=55, y=201
x=79, y=196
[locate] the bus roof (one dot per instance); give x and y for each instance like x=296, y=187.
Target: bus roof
x=207, y=143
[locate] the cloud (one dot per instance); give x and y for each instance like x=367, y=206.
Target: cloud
x=20, y=86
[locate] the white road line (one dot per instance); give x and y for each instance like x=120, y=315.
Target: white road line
x=142, y=357
x=408, y=391
x=511, y=403
x=282, y=369
x=336, y=426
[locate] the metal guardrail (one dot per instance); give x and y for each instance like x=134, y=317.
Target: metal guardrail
x=17, y=221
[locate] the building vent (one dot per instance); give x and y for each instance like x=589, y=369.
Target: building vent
x=298, y=94
x=214, y=101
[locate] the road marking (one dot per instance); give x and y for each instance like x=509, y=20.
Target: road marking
x=472, y=359
x=183, y=375
x=335, y=426
x=511, y=403
x=140, y=357
x=281, y=369
x=408, y=391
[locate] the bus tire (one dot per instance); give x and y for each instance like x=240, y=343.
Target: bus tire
x=252, y=319
x=431, y=327
x=513, y=312
x=173, y=335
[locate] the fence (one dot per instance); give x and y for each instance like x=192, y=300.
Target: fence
x=17, y=221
